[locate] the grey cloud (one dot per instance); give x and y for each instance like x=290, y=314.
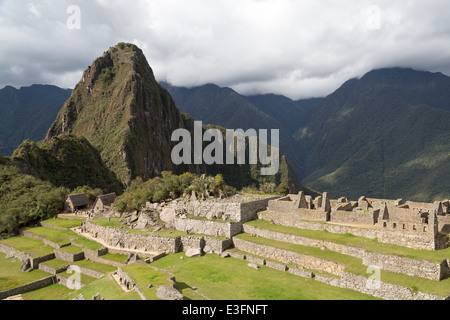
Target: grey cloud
x=296, y=48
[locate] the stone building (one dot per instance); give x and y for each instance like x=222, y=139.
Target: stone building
x=76, y=202
x=104, y=202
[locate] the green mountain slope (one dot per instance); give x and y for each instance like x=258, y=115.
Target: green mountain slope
x=27, y=113
x=385, y=135
x=120, y=108
x=225, y=107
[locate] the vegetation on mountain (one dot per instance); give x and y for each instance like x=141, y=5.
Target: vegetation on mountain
x=385, y=135
x=66, y=161
x=25, y=199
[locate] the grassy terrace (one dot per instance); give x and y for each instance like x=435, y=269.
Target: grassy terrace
x=231, y=279
x=31, y=246
x=56, y=263
x=64, y=223
x=88, y=244
x=354, y=265
x=71, y=249
x=108, y=289
x=143, y=276
x=11, y=276
x=100, y=267
x=360, y=242
x=116, y=257
x=55, y=235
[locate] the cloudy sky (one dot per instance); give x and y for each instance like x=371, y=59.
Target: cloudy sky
x=298, y=48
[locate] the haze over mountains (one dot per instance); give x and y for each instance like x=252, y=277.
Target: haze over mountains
x=385, y=135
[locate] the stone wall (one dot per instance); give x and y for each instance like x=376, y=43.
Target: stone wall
x=356, y=216
x=374, y=288
x=28, y=287
x=208, y=227
x=249, y=210
x=407, y=266
x=68, y=256
x=295, y=239
x=22, y=256
x=411, y=267
x=408, y=237
x=444, y=223
x=92, y=254
x=192, y=242
x=127, y=240
x=289, y=257
x=218, y=246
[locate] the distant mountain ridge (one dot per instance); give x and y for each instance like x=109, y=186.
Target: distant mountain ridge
x=27, y=113
x=384, y=135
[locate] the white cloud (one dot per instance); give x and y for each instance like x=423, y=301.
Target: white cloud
x=296, y=48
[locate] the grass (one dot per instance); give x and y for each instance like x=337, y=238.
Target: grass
x=89, y=264
x=360, y=242
x=354, y=265
x=56, y=263
x=88, y=244
x=31, y=246
x=71, y=249
x=107, y=287
x=55, y=235
x=232, y=279
x=64, y=223
x=116, y=257
x=49, y=293
x=11, y=276
x=143, y=275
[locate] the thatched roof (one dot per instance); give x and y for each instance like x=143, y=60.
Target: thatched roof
x=78, y=200
x=107, y=199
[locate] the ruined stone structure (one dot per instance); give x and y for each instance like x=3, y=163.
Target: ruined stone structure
x=410, y=224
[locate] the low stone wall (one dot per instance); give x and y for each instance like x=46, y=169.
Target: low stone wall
x=276, y=265
x=374, y=288
x=92, y=254
x=289, y=257
x=218, y=246
x=22, y=256
x=28, y=287
x=69, y=257
x=51, y=270
x=127, y=240
x=208, y=227
x=49, y=225
x=295, y=239
x=90, y=272
x=408, y=266
x=300, y=272
x=192, y=242
x=253, y=259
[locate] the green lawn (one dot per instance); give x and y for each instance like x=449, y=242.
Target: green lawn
x=117, y=257
x=49, y=293
x=143, y=275
x=71, y=249
x=88, y=244
x=107, y=287
x=232, y=279
x=105, y=268
x=34, y=247
x=11, y=276
x=64, y=223
x=55, y=235
x=369, y=245
x=56, y=263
